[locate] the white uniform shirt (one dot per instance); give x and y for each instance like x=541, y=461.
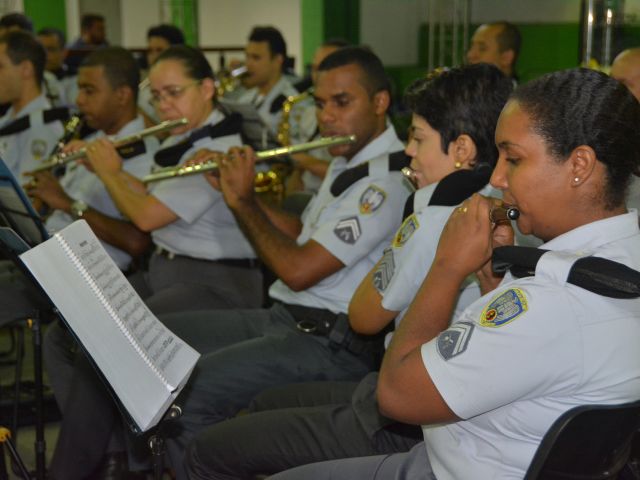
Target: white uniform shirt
x=354, y=227
x=521, y=356
x=81, y=184
x=206, y=227
x=271, y=120
x=25, y=150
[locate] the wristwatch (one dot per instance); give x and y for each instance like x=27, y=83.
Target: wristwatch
x=78, y=207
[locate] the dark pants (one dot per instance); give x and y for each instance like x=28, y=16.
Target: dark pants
x=90, y=417
x=412, y=465
x=296, y=425
x=245, y=352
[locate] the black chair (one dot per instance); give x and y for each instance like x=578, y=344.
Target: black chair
x=588, y=442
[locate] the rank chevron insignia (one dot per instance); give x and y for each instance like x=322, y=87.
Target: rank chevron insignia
x=348, y=230
x=454, y=340
x=384, y=272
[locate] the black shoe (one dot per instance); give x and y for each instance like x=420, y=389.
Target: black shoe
x=116, y=467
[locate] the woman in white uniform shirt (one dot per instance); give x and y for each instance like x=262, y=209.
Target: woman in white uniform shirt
x=202, y=259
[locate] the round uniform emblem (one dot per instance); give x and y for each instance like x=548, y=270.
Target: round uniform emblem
x=38, y=149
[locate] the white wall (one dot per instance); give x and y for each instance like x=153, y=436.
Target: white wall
x=525, y=11
x=136, y=18
x=228, y=22
x=390, y=28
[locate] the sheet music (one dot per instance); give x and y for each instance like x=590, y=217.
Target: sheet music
x=143, y=361
x=158, y=342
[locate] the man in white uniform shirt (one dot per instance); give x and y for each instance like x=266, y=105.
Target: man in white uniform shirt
x=28, y=130
x=319, y=259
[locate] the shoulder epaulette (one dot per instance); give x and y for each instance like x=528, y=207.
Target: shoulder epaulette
x=277, y=103
x=598, y=275
x=170, y=156
x=456, y=187
x=452, y=190
x=397, y=161
x=131, y=150
x=23, y=123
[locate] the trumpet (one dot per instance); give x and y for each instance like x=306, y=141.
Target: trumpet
x=503, y=213
x=62, y=159
x=212, y=166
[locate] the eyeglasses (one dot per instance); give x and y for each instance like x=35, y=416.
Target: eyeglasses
x=171, y=93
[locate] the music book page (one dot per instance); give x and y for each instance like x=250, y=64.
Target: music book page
x=143, y=361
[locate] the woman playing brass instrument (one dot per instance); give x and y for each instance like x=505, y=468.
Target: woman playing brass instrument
x=489, y=387
x=202, y=259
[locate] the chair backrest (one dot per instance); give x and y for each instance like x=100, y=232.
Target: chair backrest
x=587, y=442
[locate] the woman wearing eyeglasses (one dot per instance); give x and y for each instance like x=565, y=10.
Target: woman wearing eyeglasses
x=201, y=260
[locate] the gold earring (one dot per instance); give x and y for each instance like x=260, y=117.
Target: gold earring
x=457, y=164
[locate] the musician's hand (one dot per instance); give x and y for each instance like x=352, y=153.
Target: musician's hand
x=237, y=172
x=502, y=235
x=46, y=188
x=466, y=241
x=202, y=156
x=73, y=146
x=103, y=158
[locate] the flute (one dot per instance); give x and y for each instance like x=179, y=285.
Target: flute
x=212, y=166
x=503, y=213
x=62, y=159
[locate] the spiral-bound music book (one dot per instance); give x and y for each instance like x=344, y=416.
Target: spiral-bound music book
x=145, y=364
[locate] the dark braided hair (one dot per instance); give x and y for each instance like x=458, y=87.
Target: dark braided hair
x=584, y=107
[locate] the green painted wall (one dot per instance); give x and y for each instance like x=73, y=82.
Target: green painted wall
x=184, y=15
x=342, y=20
x=46, y=13
x=312, y=27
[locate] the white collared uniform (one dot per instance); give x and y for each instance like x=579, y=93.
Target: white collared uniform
x=410, y=255
x=355, y=227
x=206, y=228
x=81, y=184
x=534, y=348
x=262, y=103
x=25, y=150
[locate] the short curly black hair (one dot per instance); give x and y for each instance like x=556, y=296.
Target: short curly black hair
x=464, y=100
x=577, y=107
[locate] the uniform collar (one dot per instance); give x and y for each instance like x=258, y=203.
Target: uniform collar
x=37, y=104
x=386, y=142
x=134, y=126
x=595, y=234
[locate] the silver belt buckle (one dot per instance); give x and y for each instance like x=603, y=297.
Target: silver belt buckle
x=165, y=253
x=306, y=326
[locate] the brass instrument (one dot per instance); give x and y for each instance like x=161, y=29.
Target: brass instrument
x=228, y=80
x=62, y=159
x=212, y=166
x=503, y=213
x=410, y=174
x=284, y=127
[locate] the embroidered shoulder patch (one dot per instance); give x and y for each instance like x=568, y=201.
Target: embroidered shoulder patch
x=454, y=340
x=38, y=149
x=348, y=230
x=405, y=231
x=504, y=309
x=384, y=271
x=371, y=199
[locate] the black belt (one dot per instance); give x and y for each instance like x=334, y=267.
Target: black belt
x=334, y=326
x=229, y=262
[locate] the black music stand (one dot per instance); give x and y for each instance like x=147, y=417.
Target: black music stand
x=17, y=213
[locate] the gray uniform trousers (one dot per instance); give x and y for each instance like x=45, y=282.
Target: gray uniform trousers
x=90, y=418
x=296, y=425
x=245, y=352
x=412, y=465
x=184, y=284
